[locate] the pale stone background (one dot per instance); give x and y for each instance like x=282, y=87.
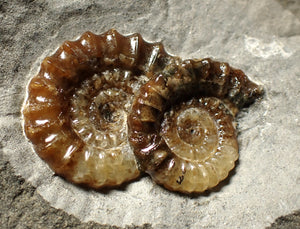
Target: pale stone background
x=260, y=37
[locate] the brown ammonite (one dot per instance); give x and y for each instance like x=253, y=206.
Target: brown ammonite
x=181, y=126
x=105, y=107
x=76, y=110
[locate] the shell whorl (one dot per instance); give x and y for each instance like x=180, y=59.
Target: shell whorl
x=104, y=108
x=182, y=128
x=76, y=110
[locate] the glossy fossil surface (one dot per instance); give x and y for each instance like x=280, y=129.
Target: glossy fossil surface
x=182, y=125
x=76, y=110
x=105, y=108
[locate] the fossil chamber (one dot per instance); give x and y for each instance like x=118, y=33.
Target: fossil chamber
x=182, y=126
x=76, y=110
x=105, y=108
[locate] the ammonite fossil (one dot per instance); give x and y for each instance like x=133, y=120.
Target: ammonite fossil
x=181, y=125
x=76, y=110
x=106, y=107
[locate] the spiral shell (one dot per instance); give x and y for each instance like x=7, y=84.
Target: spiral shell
x=105, y=107
x=76, y=110
x=181, y=126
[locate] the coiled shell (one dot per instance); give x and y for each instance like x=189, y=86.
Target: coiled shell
x=76, y=110
x=182, y=125
x=105, y=107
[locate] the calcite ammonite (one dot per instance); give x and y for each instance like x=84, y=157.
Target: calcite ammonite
x=104, y=108
x=182, y=125
x=76, y=110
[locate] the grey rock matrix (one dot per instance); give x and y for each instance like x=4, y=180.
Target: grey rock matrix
x=260, y=37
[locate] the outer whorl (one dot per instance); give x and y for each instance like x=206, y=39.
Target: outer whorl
x=76, y=110
x=182, y=125
x=106, y=107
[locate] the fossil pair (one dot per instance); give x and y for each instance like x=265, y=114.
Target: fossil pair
x=105, y=108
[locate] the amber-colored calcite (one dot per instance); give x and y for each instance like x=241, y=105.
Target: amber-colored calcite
x=76, y=110
x=182, y=128
x=104, y=108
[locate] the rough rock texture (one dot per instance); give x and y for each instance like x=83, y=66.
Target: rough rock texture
x=260, y=37
x=23, y=207
x=286, y=222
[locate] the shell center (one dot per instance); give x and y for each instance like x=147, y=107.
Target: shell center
x=191, y=133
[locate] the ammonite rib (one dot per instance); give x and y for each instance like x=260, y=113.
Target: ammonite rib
x=76, y=110
x=181, y=127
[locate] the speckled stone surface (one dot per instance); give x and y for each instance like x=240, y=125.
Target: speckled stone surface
x=260, y=37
